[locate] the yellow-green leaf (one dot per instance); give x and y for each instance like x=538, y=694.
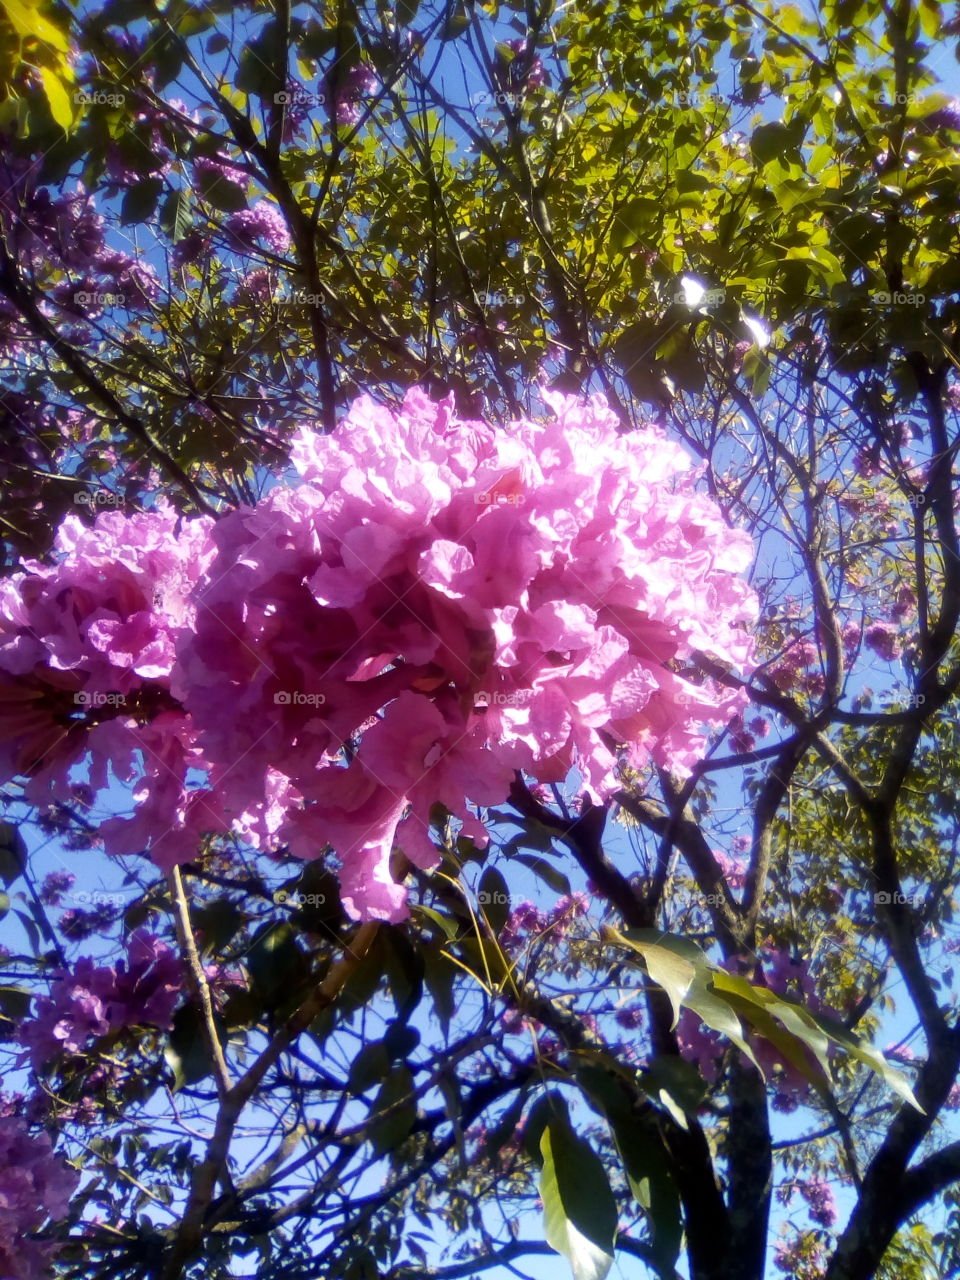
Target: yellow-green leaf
x=61, y=103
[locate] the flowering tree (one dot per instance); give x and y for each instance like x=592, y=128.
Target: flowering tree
x=479, y=632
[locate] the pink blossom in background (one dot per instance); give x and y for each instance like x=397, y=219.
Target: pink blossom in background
x=437, y=605
x=804, y=1258
x=819, y=1197
x=262, y=222
x=35, y=1185
x=734, y=871
x=91, y=1000
x=219, y=169
x=884, y=640
x=351, y=93
x=192, y=248
x=54, y=886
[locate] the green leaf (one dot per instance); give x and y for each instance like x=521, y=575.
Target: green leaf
x=190, y=20
x=13, y=853
x=219, y=922
x=493, y=898
x=166, y=56
x=447, y=924
x=549, y=1105
x=364, y=981
x=579, y=1210
x=120, y=13
x=394, y=1113
x=55, y=85
x=276, y=965
x=770, y=141
x=400, y=1040
x=484, y=959
x=27, y=20
x=185, y=1051
x=222, y=195
x=33, y=933
x=175, y=217
x=368, y=1068
x=15, y=1003
x=405, y=969
x=752, y=1002
x=869, y=1056
x=668, y=969
x=676, y=1084
x=720, y=999
x=718, y=1015
x=506, y=1126
x=642, y=1153
x=439, y=975
x=705, y=1003
x=455, y=23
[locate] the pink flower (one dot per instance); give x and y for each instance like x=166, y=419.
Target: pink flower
x=884, y=640
x=90, y=1000
x=219, y=169
x=819, y=1198
x=351, y=93
x=262, y=222
x=55, y=885
x=35, y=1185
x=733, y=870
x=435, y=607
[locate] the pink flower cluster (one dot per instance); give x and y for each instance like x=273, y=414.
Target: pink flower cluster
x=437, y=605
x=525, y=70
x=262, y=222
x=803, y=1258
x=820, y=1202
x=62, y=239
x=92, y=1000
x=351, y=93
x=526, y=922
x=34, y=1185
